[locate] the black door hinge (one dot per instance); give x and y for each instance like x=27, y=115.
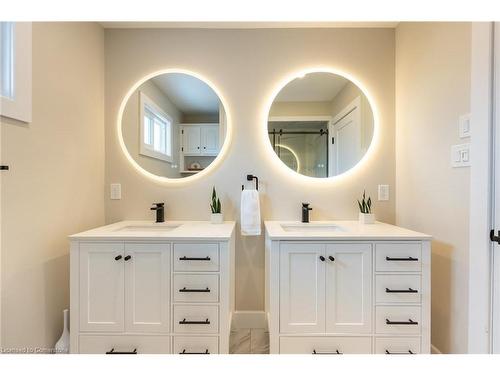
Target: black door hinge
x=4, y=167
x=494, y=238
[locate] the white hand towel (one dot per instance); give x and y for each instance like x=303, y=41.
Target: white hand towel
x=250, y=213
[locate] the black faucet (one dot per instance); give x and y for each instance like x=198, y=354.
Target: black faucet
x=160, y=212
x=305, y=212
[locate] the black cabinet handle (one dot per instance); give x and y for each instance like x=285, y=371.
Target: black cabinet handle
x=112, y=351
x=184, y=321
x=405, y=322
x=207, y=258
x=331, y=258
x=407, y=259
x=322, y=258
x=185, y=290
x=335, y=352
x=408, y=352
x=184, y=352
x=128, y=257
x=118, y=257
x=409, y=290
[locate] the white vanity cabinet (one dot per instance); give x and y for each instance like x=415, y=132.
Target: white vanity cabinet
x=151, y=291
x=362, y=289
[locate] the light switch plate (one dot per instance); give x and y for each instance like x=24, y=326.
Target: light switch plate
x=116, y=191
x=460, y=155
x=383, y=192
x=464, y=126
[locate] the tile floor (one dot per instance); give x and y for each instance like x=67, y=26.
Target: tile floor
x=249, y=341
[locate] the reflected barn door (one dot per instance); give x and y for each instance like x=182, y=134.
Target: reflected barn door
x=345, y=145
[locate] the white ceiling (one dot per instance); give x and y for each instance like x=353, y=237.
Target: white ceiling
x=187, y=93
x=314, y=87
x=244, y=25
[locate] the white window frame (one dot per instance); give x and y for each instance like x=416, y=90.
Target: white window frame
x=19, y=106
x=144, y=148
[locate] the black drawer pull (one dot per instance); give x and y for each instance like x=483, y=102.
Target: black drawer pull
x=128, y=257
x=408, y=352
x=409, y=290
x=331, y=258
x=408, y=322
x=207, y=258
x=185, y=290
x=184, y=321
x=335, y=352
x=118, y=257
x=322, y=258
x=184, y=352
x=112, y=351
x=408, y=259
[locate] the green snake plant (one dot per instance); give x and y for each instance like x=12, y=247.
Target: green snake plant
x=365, y=206
x=215, y=205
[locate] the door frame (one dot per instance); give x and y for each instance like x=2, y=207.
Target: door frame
x=481, y=173
x=356, y=103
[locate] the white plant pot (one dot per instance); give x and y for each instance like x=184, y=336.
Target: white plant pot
x=216, y=219
x=366, y=218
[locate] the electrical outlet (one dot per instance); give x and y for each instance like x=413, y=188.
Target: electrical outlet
x=383, y=192
x=116, y=191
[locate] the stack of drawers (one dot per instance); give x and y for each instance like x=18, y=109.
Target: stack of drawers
x=195, y=297
x=399, y=319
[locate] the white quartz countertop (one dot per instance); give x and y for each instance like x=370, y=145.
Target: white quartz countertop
x=339, y=230
x=170, y=230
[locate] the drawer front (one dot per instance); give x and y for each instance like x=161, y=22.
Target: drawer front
x=398, y=257
x=101, y=344
x=196, y=345
x=196, y=319
x=398, y=288
x=196, y=257
x=397, y=345
x=196, y=288
x=325, y=345
x=398, y=319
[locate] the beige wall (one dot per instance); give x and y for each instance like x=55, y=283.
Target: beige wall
x=247, y=66
x=432, y=91
x=131, y=125
x=55, y=185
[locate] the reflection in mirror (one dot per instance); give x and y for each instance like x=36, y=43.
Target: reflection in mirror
x=320, y=125
x=173, y=125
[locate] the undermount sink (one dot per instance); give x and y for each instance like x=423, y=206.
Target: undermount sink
x=148, y=228
x=311, y=227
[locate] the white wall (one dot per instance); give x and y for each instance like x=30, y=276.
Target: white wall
x=246, y=66
x=432, y=91
x=55, y=185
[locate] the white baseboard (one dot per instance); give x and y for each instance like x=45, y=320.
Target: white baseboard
x=435, y=350
x=249, y=319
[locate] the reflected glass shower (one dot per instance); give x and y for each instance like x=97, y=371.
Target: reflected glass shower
x=301, y=145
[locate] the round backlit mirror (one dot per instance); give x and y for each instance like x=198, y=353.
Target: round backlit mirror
x=320, y=125
x=173, y=125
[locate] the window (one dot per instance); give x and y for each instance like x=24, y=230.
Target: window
x=15, y=70
x=155, y=130
x=7, y=59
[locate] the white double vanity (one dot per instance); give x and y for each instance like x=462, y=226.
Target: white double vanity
x=347, y=288
x=141, y=287
x=331, y=288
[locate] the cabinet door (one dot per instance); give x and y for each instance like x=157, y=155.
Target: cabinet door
x=191, y=139
x=348, y=288
x=147, y=287
x=210, y=139
x=101, y=287
x=302, y=288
